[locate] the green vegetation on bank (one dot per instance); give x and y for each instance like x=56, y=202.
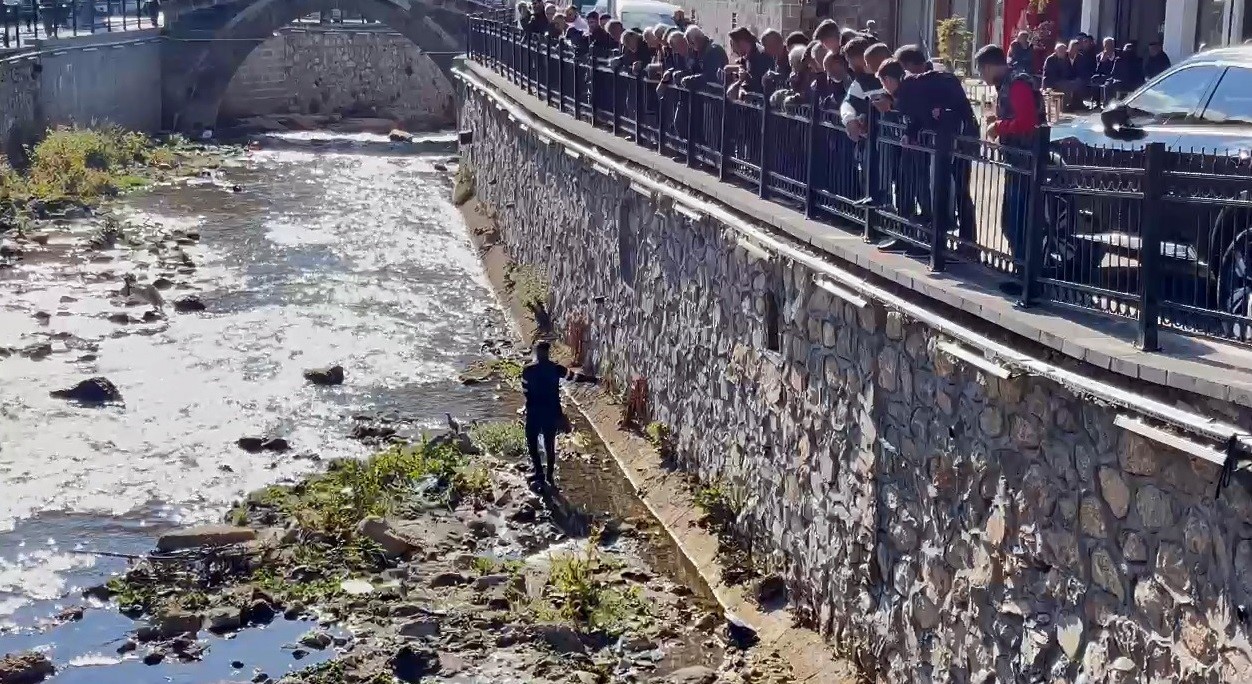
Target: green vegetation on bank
x=72, y=165
x=578, y=593
x=505, y=439
x=325, y=547
x=530, y=286
x=351, y=490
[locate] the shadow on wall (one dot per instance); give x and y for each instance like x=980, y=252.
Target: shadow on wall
x=370, y=74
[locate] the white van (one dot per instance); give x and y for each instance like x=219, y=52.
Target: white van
x=639, y=14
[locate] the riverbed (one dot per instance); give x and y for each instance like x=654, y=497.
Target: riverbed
x=330, y=251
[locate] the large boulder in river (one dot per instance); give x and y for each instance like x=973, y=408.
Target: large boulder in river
x=188, y=304
x=204, y=535
x=254, y=445
x=90, y=391
x=25, y=668
x=331, y=375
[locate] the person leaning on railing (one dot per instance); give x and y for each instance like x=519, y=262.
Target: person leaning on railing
x=934, y=101
x=779, y=74
x=797, y=61
x=831, y=86
x=706, y=60
x=753, y=61
x=634, y=53
x=557, y=29
x=1018, y=116
x=864, y=61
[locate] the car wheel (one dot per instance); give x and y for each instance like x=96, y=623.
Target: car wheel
x=1234, y=285
x=1065, y=256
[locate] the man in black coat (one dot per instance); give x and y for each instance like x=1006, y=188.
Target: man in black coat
x=1157, y=61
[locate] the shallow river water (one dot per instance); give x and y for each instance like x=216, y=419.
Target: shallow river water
x=344, y=252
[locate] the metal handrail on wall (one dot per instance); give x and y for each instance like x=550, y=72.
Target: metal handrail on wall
x=1156, y=236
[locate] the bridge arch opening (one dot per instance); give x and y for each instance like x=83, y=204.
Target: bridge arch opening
x=214, y=50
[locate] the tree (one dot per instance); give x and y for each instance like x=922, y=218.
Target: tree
x=954, y=41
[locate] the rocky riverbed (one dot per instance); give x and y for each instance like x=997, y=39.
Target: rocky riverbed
x=428, y=561
x=178, y=350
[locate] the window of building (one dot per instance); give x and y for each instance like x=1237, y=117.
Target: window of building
x=1211, y=24
x=1232, y=100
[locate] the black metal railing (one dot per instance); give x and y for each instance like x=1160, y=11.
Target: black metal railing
x=24, y=21
x=1158, y=236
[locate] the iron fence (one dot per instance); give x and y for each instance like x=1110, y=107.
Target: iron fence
x=24, y=21
x=1161, y=237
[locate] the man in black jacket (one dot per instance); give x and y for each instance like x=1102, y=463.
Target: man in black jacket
x=538, y=22
x=1157, y=61
x=752, y=58
x=934, y=101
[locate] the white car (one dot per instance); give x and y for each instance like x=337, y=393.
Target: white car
x=639, y=14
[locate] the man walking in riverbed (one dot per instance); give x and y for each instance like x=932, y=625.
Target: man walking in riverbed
x=541, y=384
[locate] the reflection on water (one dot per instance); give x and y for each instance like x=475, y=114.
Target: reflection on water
x=346, y=253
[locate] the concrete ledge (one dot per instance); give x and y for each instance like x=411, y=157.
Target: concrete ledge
x=1193, y=365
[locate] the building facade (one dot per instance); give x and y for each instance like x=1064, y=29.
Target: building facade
x=720, y=17
x=1184, y=27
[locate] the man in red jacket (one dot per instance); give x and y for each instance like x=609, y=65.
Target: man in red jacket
x=1019, y=114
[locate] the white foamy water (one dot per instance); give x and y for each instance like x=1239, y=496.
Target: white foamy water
x=345, y=257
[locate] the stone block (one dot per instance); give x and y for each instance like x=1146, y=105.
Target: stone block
x=1114, y=490
x=1155, y=507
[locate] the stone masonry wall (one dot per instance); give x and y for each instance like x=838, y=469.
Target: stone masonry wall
x=356, y=71
x=99, y=79
x=942, y=524
x=103, y=78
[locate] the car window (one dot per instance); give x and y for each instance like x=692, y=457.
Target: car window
x=1232, y=100
x=1174, y=97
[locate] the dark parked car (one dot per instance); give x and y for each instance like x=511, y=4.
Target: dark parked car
x=1201, y=110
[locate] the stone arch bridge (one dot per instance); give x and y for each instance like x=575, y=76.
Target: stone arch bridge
x=207, y=41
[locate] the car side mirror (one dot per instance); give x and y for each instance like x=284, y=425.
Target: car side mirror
x=1116, y=115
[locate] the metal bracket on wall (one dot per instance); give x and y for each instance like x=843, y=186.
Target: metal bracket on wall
x=752, y=248
x=841, y=292
x=1169, y=439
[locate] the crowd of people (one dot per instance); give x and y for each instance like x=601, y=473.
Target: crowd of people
x=849, y=72
x=1088, y=76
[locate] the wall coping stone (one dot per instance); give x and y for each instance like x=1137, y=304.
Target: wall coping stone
x=1205, y=367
